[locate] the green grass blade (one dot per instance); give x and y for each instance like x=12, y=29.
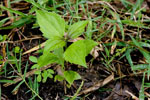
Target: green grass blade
x=141, y=94
x=136, y=7
x=13, y=11
x=18, y=86
x=7, y=81
x=128, y=56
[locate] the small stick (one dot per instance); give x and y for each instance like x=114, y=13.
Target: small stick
x=98, y=85
x=34, y=48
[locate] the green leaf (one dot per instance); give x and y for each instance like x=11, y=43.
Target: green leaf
x=50, y=75
x=70, y=76
x=47, y=58
x=4, y=37
x=39, y=78
x=59, y=78
x=54, y=43
x=1, y=37
x=89, y=45
x=50, y=71
x=17, y=49
x=33, y=59
x=35, y=66
x=51, y=24
x=45, y=75
x=77, y=29
x=59, y=53
x=77, y=51
x=37, y=72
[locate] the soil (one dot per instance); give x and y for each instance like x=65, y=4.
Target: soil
x=124, y=84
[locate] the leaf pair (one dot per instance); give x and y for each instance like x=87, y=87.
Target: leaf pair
x=53, y=28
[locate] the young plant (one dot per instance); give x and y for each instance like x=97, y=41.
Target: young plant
x=56, y=49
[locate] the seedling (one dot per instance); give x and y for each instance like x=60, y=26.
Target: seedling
x=56, y=49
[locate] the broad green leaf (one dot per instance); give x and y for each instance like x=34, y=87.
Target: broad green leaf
x=77, y=51
x=71, y=76
x=51, y=24
x=59, y=78
x=54, y=43
x=77, y=29
x=59, y=53
x=89, y=45
x=46, y=59
x=33, y=59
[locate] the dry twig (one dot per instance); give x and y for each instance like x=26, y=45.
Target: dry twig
x=98, y=85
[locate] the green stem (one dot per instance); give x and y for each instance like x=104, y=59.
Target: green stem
x=31, y=89
x=76, y=94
